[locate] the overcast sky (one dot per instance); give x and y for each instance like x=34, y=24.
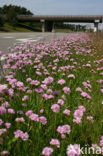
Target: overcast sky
x=60, y=7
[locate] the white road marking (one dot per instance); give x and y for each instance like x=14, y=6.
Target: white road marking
x=8, y=37
x=26, y=40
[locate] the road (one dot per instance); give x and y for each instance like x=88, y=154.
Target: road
x=9, y=39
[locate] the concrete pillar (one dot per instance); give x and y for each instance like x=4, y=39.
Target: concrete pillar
x=47, y=26
x=95, y=27
x=102, y=26
x=96, y=22
x=43, y=25
x=53, y=27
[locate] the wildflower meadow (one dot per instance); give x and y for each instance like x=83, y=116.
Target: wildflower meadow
x=51, y=98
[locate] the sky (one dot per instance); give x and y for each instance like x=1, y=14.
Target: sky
x=59, y=7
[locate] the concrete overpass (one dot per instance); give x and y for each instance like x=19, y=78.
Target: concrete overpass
x=48, y=22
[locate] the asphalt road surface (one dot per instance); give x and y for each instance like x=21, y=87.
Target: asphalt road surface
x=9, y=39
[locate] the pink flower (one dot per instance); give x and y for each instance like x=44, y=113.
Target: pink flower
x=45, y=96
x=78, y=113
x=88, y=97
x=28, y=80
x=63, y=136
x=61, y=102
x=38, y=90
x=34, y=117
x=101, y=141
x=60, y=130
x=61, y=82
x=66, y=112
x=77, y=120
x=90, y=118
x=25, y=136
x=6, y=104
x=3, y=153
x=50, y=97
x=55, y=142
x=29, y=112
x=73, y=150
x=67, y=129
x=29, y=91
x=2, y=110
x=44, y=86
x=82, y=108
x=3, y=87
x=49, y=91
x=84, y=94
x=1, y=122
x=48, y=80
x=79, y=89
x=43, y=120
x=20, y=84
x=55, y=108
x=41, y=111
x=88, y=65
x=2, y=131
x=47, y=151
x=7, y=125
x=35, y=82
x=11, y=111
x=71, y=76
x=20, y=134
x=101, y=90
x=64, y=129
x=20, y=119
x=66, y=90
x=25, y=98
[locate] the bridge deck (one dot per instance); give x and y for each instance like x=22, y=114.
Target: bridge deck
x=86, y=19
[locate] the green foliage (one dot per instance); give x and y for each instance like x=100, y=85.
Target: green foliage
x=11, y=12
x=61, y=25
x=1, y=21
x=11, y=17
x=18, y=10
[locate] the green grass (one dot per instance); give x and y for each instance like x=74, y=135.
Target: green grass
x=8, y=28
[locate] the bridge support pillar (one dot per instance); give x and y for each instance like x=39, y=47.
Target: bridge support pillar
x=43, y=25
x=47, y=26
x=96, y=22
x=95, y=27
x=53, y=27
x=102, y=26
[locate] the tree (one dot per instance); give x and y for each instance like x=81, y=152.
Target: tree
x=1, y=21
x=18, y=9
x=10, y=12
x=12, y=17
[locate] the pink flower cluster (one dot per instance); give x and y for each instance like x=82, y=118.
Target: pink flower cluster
x=35, y=117
x=47, y=151
x=55, y=142
x=20, y=134
x=65, y=129
x=78, y=114
x=66, y=90
x=73, y=150
x=48, y=80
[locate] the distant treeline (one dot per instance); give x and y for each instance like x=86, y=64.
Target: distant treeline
x=11, y=12
x=73, y=27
